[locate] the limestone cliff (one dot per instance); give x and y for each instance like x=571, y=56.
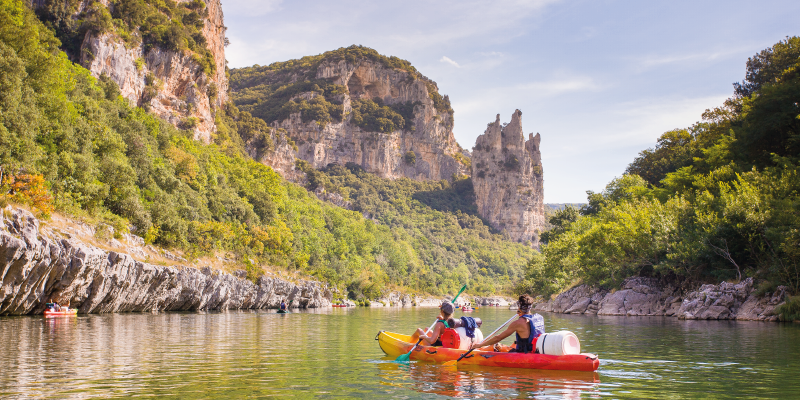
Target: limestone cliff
x=37, y=265
x=508, y=181
x=424, y=148
x=173, y=84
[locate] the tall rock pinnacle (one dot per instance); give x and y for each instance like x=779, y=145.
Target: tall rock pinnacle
x=509, y=185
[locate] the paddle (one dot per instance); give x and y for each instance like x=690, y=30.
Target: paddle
x=405, y=357
x=490, y=335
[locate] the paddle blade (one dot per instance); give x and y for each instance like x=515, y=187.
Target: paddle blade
x=449, y=363
x=403, y=358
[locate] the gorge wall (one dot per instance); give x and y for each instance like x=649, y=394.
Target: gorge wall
x=428, y=135
x=38, y=265
x=171, y=83
x=508, y=179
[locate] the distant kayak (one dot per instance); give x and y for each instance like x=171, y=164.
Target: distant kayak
x=52, y=313
x=339, y=305
x=467, y=309
x=284, y=312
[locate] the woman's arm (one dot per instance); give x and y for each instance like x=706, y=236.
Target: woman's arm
x=496, y=339
x=431, y=339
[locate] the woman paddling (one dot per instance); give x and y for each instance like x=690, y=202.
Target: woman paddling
x=528, y=327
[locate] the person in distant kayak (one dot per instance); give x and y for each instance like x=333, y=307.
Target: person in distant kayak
x=283, y=305
x=434, y=338
x=527, y=328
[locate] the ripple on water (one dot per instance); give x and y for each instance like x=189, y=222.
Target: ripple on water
x=332, y=354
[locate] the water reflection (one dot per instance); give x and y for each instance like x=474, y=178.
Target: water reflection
x=331, y=353
x=471, y=381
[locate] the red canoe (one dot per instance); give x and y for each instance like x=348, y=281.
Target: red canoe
x=395, y=344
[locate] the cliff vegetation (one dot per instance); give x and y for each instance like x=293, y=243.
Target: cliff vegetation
x=73, y=137
x=719, y=200
x=264, y=91
x=164, y=23
x=438, y=219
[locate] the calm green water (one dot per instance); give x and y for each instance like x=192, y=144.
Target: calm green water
x=331, y=353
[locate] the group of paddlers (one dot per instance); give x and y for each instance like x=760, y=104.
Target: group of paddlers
x=527, y=329
x=54, y=306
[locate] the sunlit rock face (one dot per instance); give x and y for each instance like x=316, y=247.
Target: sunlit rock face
x=640, y=296
x=429, y=136
x=171, y=84
x=38, y=266
x=507, y=176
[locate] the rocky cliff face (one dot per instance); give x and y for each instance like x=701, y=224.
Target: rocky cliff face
x=507, y=176
x=37, y=265
x=171, y=84
x=429, y=136
x=649, y=297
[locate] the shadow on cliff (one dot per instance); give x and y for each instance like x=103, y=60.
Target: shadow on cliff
x=457, y=198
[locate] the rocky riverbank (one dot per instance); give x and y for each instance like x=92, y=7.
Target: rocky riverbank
x=37, y=265
x=395, y=299
x=651, y=297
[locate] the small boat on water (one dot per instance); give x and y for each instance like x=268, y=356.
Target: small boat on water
x=339, y=305
x=284, y=312
x=51, y=313
x=467, y=309
x=395, y=344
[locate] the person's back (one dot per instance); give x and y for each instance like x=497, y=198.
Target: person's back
x=283, y=305
x=526, y=328
x=434, y=338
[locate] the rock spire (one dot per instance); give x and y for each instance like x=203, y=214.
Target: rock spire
x=507, y=176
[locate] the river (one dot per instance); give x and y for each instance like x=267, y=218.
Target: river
x=331, y=353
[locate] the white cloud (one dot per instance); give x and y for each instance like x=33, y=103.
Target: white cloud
x=446, y=59
x=560, y=86
x=250, y=8
x=490, y=54
x=649, y=61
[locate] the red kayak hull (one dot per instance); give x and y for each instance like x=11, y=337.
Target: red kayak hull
x=394, y=344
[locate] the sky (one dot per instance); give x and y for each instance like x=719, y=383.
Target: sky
x=601, y=80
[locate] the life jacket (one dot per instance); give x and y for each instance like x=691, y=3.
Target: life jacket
x=528, y=345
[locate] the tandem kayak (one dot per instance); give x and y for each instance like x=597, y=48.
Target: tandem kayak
x=395, y=344
x=467, y=309
x=338, y=305
x=53, y=313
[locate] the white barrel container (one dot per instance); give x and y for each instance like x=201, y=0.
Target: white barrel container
x=559, y=343
x=465, y=341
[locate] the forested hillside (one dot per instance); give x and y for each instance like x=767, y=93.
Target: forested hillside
x=717, y=200
x=103, y=160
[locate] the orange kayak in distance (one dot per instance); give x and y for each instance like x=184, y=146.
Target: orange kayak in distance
x=395, y=344
x=52, y=314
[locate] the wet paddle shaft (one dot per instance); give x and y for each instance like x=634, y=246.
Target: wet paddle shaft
x=405, y=357
x=490, y=335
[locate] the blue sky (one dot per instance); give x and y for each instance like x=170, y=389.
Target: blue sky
x=600, y=80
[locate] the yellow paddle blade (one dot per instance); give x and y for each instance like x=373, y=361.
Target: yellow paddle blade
x=449, y=363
